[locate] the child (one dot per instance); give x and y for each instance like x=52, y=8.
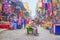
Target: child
x=33, y=26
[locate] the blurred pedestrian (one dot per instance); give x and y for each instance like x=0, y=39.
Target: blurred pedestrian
x=19, y=23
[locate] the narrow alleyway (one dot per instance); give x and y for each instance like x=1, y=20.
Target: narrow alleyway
x=22, y=35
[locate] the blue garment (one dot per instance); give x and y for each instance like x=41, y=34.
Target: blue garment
x=14, y=23
x=15, y=26
x=49, y=1
x=24, y=23
x=19, y=26
x=46, y=6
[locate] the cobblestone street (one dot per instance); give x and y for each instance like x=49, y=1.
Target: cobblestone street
x=22, y=35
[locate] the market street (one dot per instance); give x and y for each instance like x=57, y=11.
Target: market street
x=22, y=35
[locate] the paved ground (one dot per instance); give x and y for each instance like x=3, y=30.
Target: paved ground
x=22, y=35
x=2, y=30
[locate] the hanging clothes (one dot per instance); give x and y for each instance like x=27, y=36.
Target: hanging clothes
x=46, y=6
x=21, y=13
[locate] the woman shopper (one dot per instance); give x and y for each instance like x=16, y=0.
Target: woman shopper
x=19, y=23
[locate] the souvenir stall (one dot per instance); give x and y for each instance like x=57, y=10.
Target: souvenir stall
x=56, y=26
x=9, y=10
x=55, y=17
x=44, y=12
x=4, y=23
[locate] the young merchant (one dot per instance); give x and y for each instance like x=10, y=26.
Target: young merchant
x=35, y=31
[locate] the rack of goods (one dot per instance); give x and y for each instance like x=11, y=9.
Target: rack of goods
x=56, y=24
x=11, y=8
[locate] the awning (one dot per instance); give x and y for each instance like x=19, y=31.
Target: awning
x=18, y=4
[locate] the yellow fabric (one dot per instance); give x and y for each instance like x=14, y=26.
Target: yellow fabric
x=40, y=4
x=55, y=1
x=0, y=6
x=28, y=25
x=48, y=24
x=26, y=6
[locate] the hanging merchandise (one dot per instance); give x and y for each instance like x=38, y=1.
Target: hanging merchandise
x=5, y=5
x=20, y=5
x=27, y=14
x=0, y=17
x=49, y=1
x=13, y=9
x=59, y=8
x=42, y=5
x=46, y=6
x=44, y=11
x=0, y=7
x=45, y=1
x=54, y=1
x=26, y=6
x=53, y=16
x=54, y=6
x=49, y=5
x=55, y=13
x=21, y=13
x=17, y=7
x=9, y=8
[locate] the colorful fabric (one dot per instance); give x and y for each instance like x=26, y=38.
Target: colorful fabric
x=27, y=21
x=19, y=22
x=46, y=6
x=49, y=1
x=49, y=6
x=42, y=5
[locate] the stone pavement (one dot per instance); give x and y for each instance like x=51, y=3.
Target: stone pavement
x=2, y=30
x=22, y=35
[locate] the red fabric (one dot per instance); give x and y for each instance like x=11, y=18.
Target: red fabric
x=21, y=14
x=49, y=6
x=52, y=16
x=0, y=17
x=27, y=21
x=9, y=11
x=4, y=26
x=42, y=5
x=11, y=28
